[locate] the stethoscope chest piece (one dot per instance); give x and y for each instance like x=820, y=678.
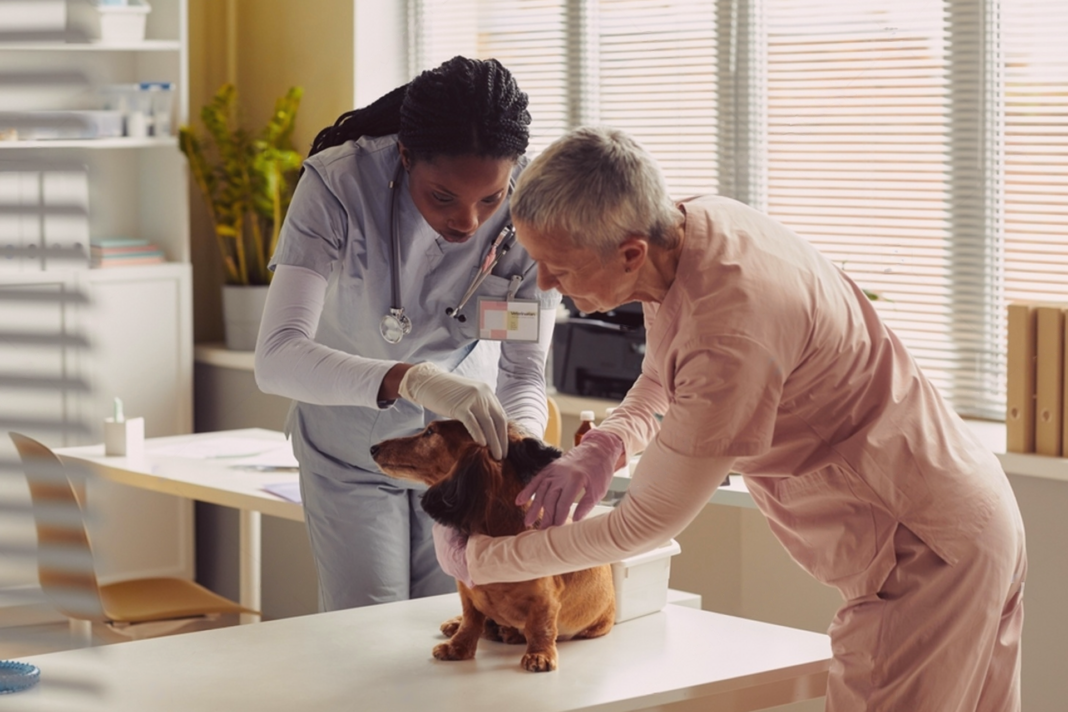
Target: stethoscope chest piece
x=395, y=326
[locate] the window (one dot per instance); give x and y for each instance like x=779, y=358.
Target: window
x=922, y=145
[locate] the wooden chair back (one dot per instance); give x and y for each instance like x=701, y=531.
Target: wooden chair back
x=64, y=555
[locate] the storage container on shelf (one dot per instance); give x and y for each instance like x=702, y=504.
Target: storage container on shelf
x=110, y=22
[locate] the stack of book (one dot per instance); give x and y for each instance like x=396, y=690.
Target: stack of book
x=123, y=252
x=1036, y=414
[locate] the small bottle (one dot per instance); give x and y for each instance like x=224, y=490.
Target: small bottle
x=585, y=426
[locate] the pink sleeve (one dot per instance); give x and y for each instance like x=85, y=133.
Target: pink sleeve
x=727, y=394
x=668, y=490
x=635, y=420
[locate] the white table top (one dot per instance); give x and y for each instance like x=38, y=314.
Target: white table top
x=378, y=658
x=213, y=480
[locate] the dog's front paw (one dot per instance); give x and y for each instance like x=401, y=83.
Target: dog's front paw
x=539, y=662
x=448, y=651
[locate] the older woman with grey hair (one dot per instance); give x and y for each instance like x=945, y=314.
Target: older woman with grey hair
x=763, y=358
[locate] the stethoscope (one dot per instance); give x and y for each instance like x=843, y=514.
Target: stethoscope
x=396, y=324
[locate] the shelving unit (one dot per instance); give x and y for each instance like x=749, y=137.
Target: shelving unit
x=138, y=320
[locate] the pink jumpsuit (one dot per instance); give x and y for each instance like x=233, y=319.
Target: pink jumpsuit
x=765, y=352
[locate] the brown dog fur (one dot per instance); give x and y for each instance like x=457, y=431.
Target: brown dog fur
x=475, y=494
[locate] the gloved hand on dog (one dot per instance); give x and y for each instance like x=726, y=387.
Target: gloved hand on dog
x=451, y=549
x=587, y=466
x=471, y=402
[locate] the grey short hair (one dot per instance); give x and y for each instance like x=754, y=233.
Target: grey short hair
x=598, y=186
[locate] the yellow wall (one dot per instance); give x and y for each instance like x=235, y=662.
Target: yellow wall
x=279, y=44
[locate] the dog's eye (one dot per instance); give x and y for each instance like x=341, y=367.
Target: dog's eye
x=428, y=432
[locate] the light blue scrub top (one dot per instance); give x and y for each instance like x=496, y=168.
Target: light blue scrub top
x=338, y=225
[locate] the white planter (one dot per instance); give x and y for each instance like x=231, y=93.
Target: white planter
x=242, y=312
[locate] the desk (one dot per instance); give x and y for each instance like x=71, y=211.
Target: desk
x=205, y=480
x=378, y=658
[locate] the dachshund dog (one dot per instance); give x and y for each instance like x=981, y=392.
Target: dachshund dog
x=475, y=494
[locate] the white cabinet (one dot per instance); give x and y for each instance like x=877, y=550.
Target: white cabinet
x=136, y=321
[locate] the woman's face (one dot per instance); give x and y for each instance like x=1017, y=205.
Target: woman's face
x=595, y=285
x=456, y=194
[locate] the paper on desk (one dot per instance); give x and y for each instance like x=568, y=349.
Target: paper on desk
x=280, y=457
x=286, y=490
x=205, y=448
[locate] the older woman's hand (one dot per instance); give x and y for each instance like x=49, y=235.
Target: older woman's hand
x=451, y=549
x=586, y=467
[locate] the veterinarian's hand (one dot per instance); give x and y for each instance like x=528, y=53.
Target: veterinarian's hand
x=471, y=402
x=587, y=466
x=451, y=548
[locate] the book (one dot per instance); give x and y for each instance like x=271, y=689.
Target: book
x=128, y=261
x=1020, y=382
x=1049, y=379
x=116, y=251
x=113, y=242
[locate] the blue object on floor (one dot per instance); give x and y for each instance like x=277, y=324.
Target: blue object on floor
x=17, y=676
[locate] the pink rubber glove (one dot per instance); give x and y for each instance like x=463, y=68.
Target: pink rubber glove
x=587, y=466
x=451, y=549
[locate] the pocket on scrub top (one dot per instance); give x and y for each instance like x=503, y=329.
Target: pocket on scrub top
x=826, y=527
x=493, y=287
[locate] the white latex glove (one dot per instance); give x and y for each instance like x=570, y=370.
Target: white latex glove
x=471, y=402
x=451, y=549
x=587, y=466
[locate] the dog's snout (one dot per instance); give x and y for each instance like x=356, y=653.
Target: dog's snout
x=374, y=450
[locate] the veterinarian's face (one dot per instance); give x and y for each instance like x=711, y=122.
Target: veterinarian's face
x=456, y=194
x=594, y=284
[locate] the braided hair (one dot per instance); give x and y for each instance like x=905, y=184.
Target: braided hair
x=464, y=107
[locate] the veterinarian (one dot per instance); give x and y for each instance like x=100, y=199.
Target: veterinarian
x=765, y=359
x=395, y=237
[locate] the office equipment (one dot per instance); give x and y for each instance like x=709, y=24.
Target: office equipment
x=598, y=355
x=1020, y=384
x=65, y=559
x=375, y=658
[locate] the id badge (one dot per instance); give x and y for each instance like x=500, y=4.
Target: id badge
x=508, y=320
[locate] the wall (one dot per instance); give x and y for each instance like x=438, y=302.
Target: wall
x=278, y=44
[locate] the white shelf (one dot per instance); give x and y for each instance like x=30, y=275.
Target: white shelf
x=144, y=46
x=95, y=143
x=216, y=354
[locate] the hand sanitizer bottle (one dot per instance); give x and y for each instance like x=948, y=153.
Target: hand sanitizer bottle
x=123, y=436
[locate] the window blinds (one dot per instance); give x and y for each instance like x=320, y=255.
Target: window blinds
x=1036, y=149
x=645, y=66
x=878, y=153
x=921, y=145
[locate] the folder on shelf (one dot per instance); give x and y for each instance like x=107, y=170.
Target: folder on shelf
x=1049, y=380
x=1020, y=384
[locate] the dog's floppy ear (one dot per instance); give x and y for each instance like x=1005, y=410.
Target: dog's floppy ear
x=455, y=500
x=529, y=455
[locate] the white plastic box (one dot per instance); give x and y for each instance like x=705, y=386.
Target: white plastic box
x=641, y=582
x=111, y=23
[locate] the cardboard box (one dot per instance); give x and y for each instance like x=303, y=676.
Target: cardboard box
x=641, y=582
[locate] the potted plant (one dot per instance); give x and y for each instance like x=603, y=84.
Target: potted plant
x=247, y=180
